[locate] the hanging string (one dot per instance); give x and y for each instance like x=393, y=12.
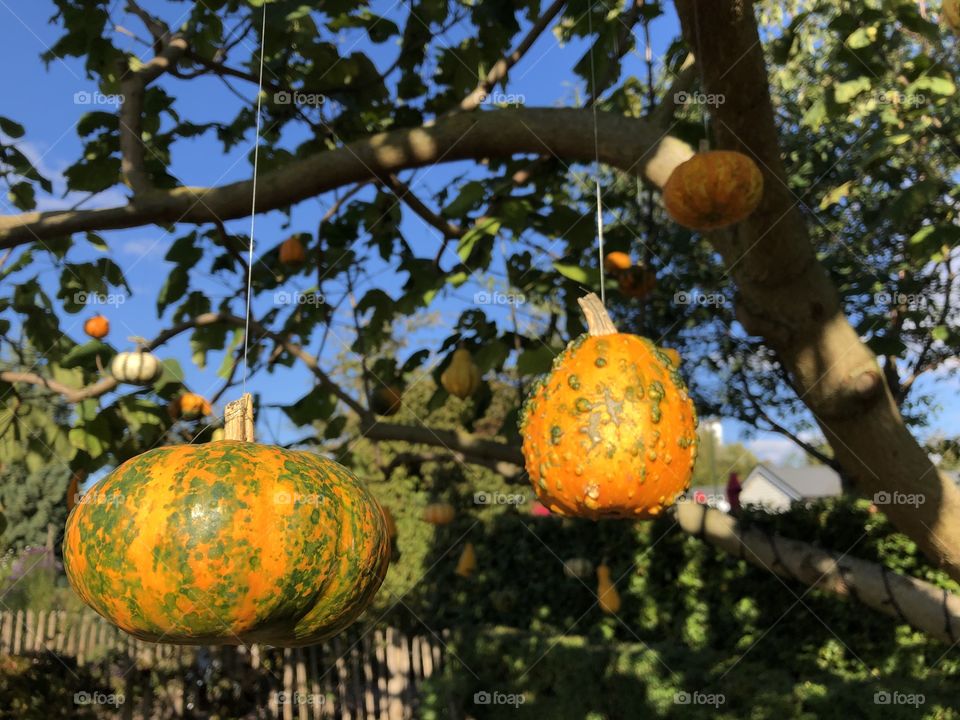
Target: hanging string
x=596, y=152
x=253, y=208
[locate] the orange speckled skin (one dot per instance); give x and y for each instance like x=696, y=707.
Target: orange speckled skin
x=228, y=543
x=713, y=189
x=611, y=431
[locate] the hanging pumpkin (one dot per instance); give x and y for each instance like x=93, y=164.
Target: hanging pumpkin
x=389, y=522
x=577, y=567
x=467, y=562
x=637, y=282
x=191, y=406
x=292, y=252
x=607, y=596
x=713, y=189
x=951, y=14
x=611, y=431
x=462, y=377
x=136, y=368
x=439, y=513
x=386, y=400
x=97, y=327
x=228, y=542
x=616, y=262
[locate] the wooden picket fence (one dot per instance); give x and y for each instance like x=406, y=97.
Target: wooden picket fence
x=360, y=675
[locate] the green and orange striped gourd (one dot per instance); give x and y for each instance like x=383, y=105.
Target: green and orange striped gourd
x=228, y=542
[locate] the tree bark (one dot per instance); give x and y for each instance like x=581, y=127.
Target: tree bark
x=633, y=145
x=931, y=610
x=787, y=297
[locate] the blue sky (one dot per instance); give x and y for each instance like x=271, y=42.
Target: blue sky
x=43, y=99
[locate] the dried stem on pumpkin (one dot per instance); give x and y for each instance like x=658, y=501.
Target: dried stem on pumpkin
x=598, y=321
x=238, y=419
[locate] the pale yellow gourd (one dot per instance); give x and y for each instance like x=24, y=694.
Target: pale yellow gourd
x=462, y=377
x=607, y=595
x=467, y=562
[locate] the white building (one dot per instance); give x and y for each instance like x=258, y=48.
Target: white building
x=776, y=488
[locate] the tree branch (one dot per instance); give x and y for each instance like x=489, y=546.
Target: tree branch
x=931, y=610
x=74, y=395
x=456, y=441
x=133, y=84
x=630, y=144
x=499, y=71
x=405, y=194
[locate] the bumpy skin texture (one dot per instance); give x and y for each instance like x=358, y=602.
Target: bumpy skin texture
x=611, y=431
x=713, y=189
x=228, y=543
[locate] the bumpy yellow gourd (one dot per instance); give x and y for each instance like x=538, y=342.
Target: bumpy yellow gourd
x=462, y=378
x=467, y=562
x=607, y=595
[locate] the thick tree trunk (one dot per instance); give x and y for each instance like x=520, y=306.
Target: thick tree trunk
x=786, y=297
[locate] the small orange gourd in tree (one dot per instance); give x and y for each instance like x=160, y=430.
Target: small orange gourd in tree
x=386, y=400
x=611, y=431
x=637, y=282
x=193, y=406
x=616, y=262
x=607, y=596
x=713, y=189
x=672, y=355
x=97, y=327
x=462, y=377
x=467, y=562
x=951, y=14
x=439, y=513
x=292, y=252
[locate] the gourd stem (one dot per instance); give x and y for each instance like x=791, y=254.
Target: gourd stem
x=598, y=321
x=238, y=419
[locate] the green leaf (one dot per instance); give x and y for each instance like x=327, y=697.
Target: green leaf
x=836, y=195
x=173, y=288
x=470, y=196
x=578, y=274
x=936, y=85
x=85, y=356
x=318, y=404
x=10, y=128
x=535, y=361
x=844, y=92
